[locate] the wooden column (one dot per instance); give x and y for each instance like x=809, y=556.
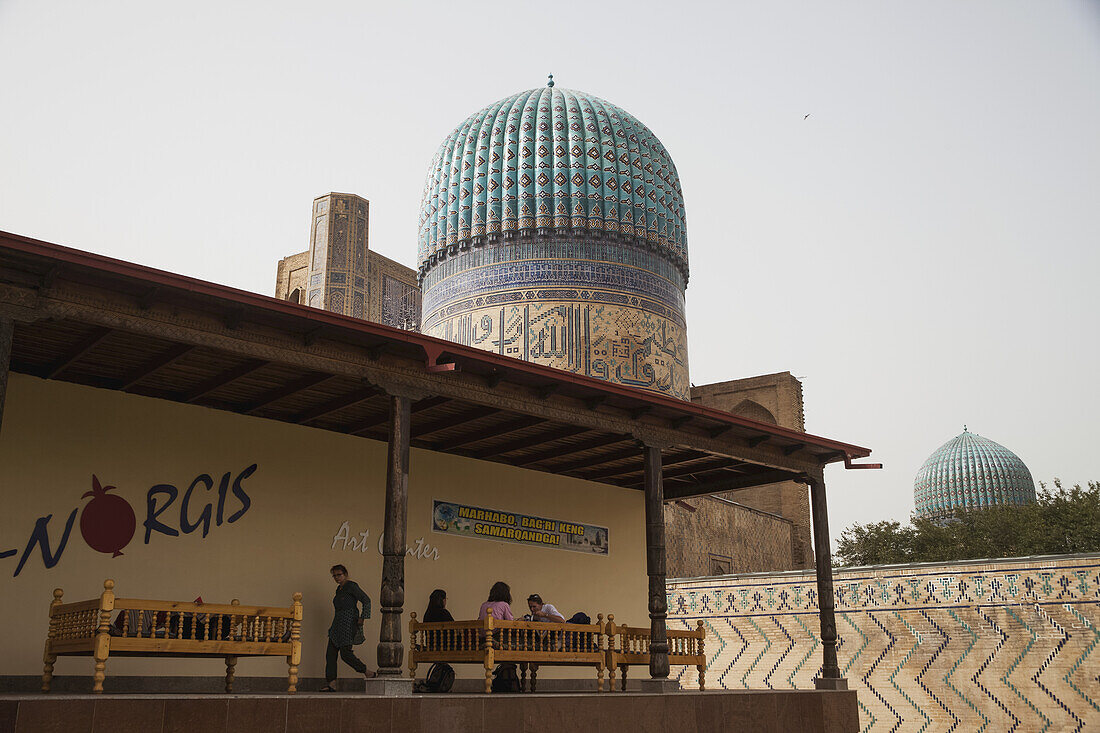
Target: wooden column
x=830, y=678
x=391, y=651
x=655, y=562
x=7, y=327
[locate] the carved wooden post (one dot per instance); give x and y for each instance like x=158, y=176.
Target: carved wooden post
x=7, y=327
x=48, y=657
x=655, y=562
x=295, y=657
x=103, y=635
x=392, y=596
x=830, y=678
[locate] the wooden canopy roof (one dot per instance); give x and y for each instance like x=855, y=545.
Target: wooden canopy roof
x=97, y=321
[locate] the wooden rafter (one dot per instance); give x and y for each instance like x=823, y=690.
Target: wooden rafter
x=217, y=382
x=81, y=348
x=496, y=431
x=173, y=353
x=466, y=416
x=336, y=404
x=281, y=393
x=529, y=441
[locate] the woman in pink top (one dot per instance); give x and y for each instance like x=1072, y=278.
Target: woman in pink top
x=500, y=596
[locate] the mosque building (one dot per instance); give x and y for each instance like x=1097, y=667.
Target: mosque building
x=970, y=472
x=552, y=229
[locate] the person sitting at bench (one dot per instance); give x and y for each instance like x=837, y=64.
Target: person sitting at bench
x=499, y=604
x=437, y=608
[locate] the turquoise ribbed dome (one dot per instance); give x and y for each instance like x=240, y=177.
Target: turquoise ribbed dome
x=970, y=472
x=551, y=159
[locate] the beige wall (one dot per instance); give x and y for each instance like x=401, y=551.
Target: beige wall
x=307, y=482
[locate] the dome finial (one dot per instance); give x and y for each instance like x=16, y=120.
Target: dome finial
x=964, y=427
x=549, y=80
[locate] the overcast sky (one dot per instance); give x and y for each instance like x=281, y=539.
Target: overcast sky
x=922, y=250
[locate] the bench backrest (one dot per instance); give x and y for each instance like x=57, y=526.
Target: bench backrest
x=685, y=646
x=554, y=639
x=178, y=619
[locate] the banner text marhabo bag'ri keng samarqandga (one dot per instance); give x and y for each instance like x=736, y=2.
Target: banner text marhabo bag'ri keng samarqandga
x=492, y=524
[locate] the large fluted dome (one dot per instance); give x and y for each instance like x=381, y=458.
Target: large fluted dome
x=552, y=229
x=971, y=472
x=552, y=157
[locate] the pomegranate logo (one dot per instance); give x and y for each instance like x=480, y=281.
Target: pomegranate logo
x=108, y=521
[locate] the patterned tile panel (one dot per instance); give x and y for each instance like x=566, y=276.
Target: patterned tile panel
x=1010, y=645
x=623, y=344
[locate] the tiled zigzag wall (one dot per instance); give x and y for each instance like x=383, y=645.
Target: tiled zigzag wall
x=1009, y=645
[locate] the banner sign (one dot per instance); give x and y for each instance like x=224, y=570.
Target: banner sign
x=491, y=524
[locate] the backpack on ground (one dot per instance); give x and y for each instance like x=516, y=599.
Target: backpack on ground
x=505, y=678
x=441, y=676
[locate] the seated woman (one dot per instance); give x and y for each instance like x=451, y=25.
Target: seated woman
x=499, y=604
x=437, y=607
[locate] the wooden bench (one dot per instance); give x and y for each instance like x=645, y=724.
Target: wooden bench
x=489, y=642
x=627, y=645
x=171, y=629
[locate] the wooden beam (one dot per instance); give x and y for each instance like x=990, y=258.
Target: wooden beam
x=529, y=441
x=733, y=483
x=615, y=471
x=790, y=450
x=596, y=460
x=7, y=333
x=281, y=393
x=336, y=404
x=655, y=562
x=170, y=355
x=504, y=428
x=420, y=406
x=391, y=651
x=572, y=448
x=79, y=350
x=672, y=459
x=593, y=403
x=243, y=369
x=757, y=440
x=461, y=418
x=546, y=390
x=673, y=473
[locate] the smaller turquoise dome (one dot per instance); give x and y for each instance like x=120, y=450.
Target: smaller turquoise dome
x=970, y=472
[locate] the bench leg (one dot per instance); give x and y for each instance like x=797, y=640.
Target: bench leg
x=292, y=675
x=599, y=679
x=99, y=676
x=488, y=677
x=611, y=678
x=47, y=671
x=523, y=676
x=702, y=676
x=230, y=668
x=534, y=676
x=625, y=668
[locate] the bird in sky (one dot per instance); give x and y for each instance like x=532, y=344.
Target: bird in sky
x=807, y=116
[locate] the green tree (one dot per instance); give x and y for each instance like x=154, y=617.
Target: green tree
x=1061, y=521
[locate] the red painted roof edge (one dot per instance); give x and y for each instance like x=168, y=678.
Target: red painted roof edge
x=430, y=344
